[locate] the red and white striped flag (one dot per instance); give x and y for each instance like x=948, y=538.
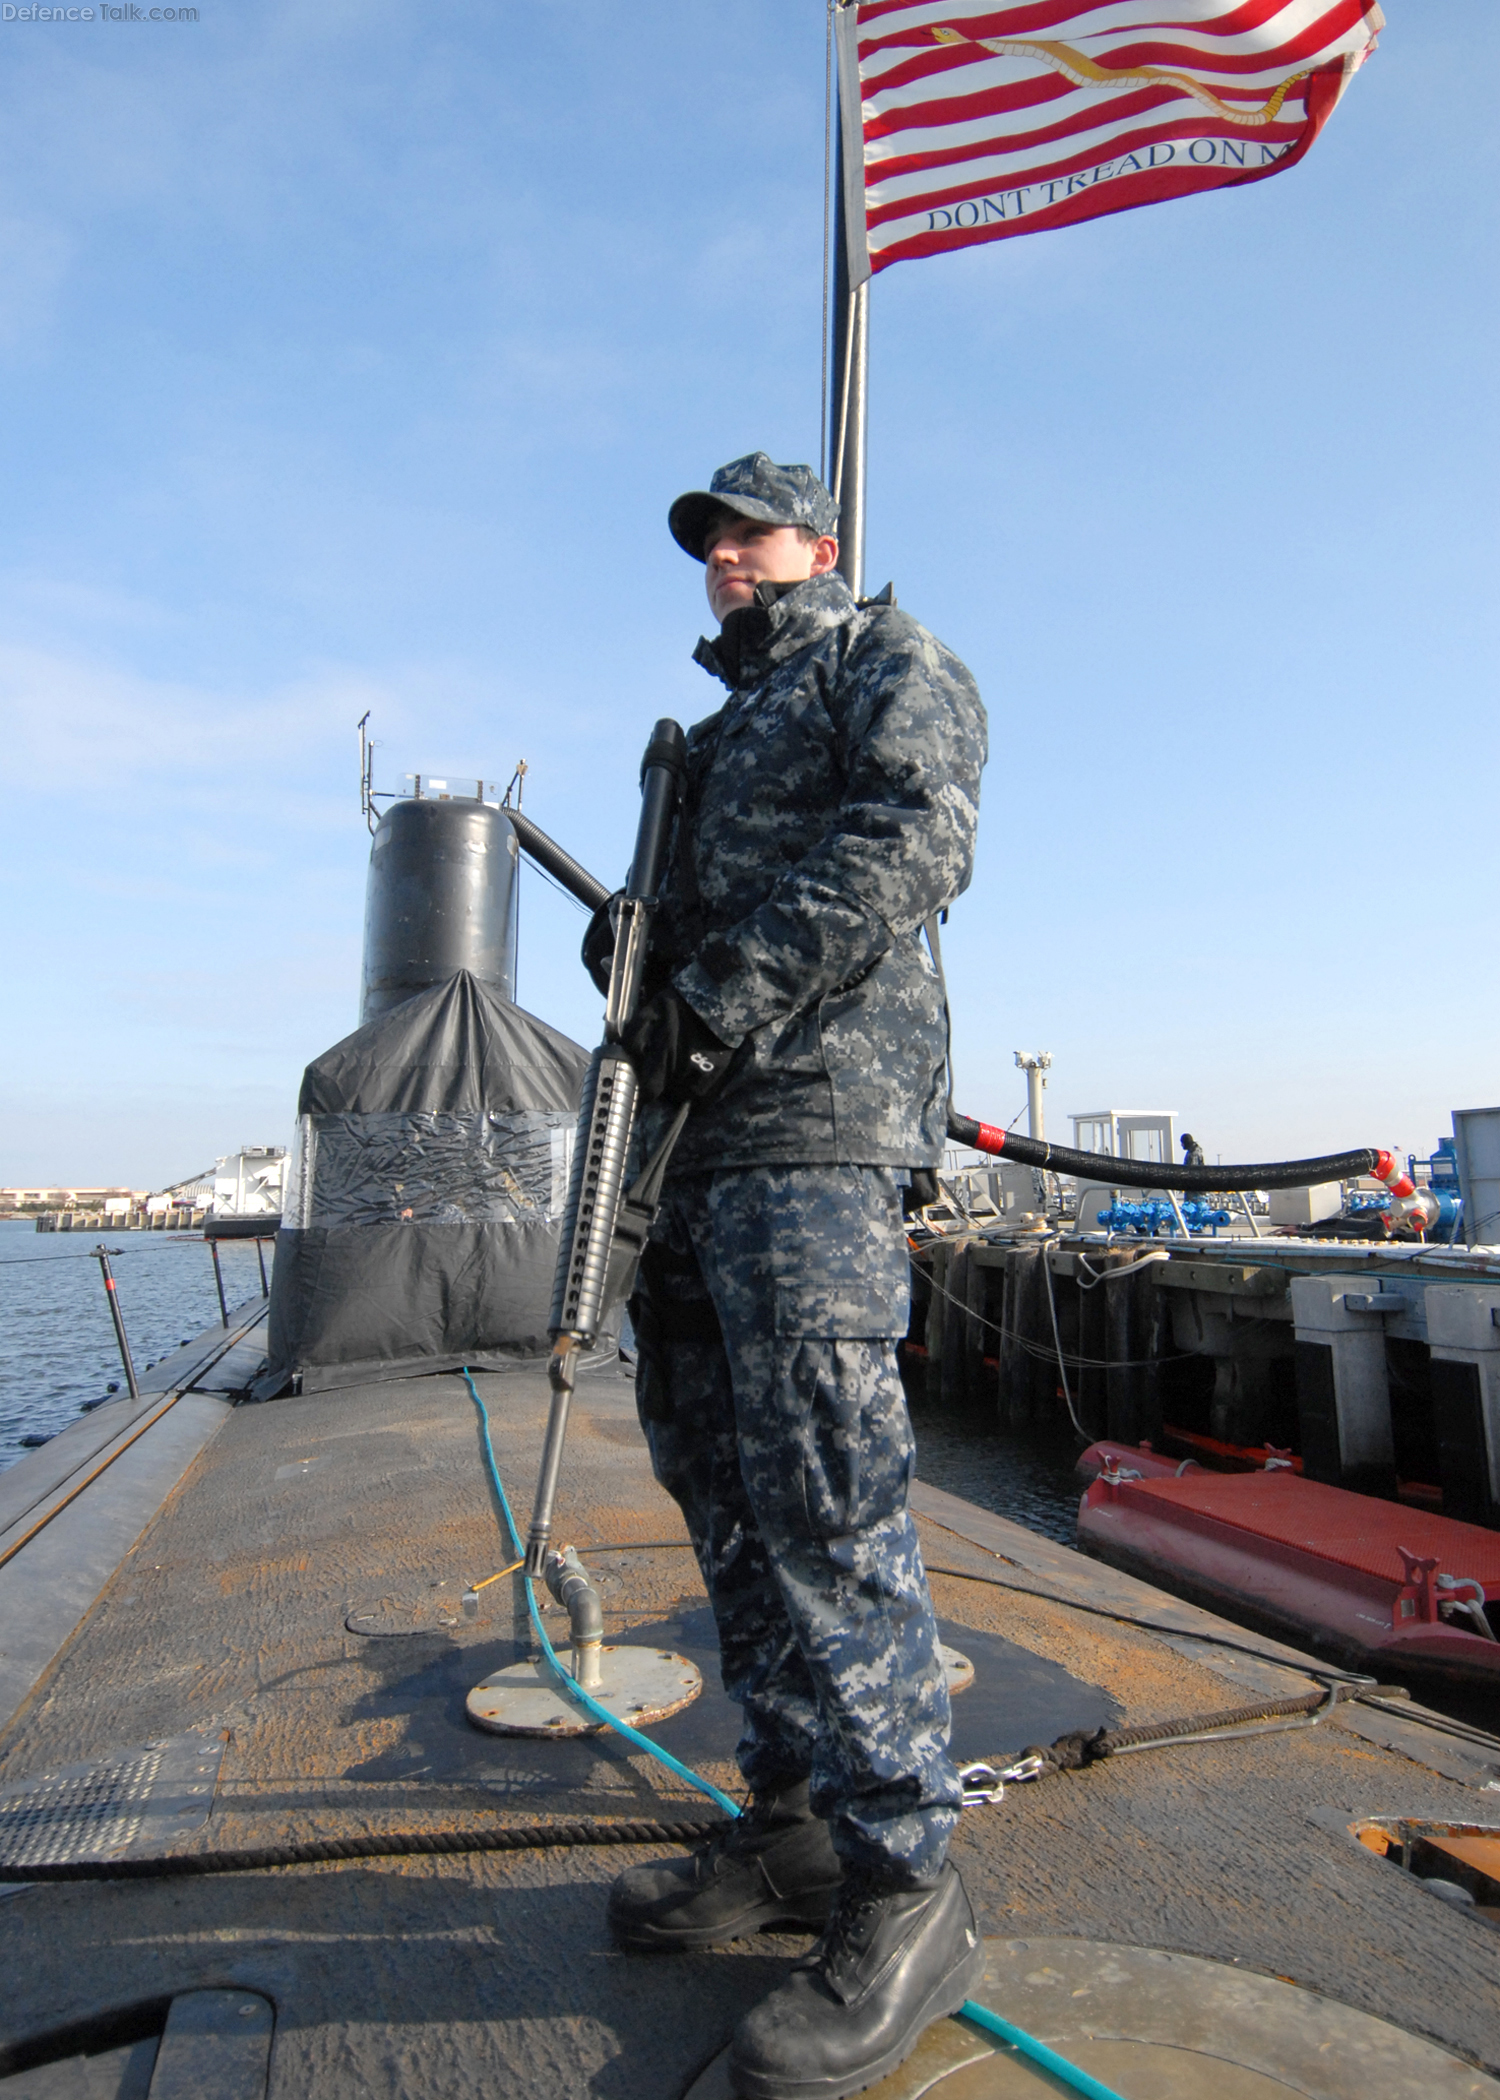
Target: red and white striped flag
x=982, y=121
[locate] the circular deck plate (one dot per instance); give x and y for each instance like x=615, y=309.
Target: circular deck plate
x=957, y=1668
x=1162, y=2027
x=640, y=1685
x=435, y=1613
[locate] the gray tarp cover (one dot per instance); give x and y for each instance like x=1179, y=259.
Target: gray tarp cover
x=421, y=1225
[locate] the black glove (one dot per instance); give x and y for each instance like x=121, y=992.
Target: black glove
x=922, y=1190
x=598, y=950
x=677, y=1056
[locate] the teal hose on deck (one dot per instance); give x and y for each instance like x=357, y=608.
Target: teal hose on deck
x=1028, y=2045
x=565, y=1679
x=1049, y=2060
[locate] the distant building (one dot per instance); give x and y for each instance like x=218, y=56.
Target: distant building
x=114, y=1198
x=243, y=1184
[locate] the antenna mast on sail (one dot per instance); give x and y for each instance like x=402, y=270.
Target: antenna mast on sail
x=848, y=396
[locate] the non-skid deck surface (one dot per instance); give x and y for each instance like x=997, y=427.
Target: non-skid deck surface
x=305, y=1596
x=493, y=1972
x=1353, y=1531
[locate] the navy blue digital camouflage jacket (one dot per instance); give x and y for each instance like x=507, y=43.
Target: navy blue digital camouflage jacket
x=830, y=807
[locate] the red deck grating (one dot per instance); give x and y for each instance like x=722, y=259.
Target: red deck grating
x=1354, y=1531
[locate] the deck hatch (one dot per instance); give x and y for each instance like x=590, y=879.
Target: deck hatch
x=1463, y=1859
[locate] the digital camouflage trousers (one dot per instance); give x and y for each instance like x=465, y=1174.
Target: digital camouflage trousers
x=769, y=1307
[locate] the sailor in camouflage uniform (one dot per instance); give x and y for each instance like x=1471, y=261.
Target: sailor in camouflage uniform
x=829, y=809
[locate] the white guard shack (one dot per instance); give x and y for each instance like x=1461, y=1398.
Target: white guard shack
x=1128, y=1133
x=249, y=1183
x=1123, y=1133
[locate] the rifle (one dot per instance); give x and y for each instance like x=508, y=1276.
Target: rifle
x=605, y=1224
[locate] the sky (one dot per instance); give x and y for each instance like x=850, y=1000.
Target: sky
x=350, y=355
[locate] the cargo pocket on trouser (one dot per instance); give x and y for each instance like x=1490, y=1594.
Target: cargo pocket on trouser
x=652, y=1398
x=682, y=1388
x=848, y=1458
x=669, y=1307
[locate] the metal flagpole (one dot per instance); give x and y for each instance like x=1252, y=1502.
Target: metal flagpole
x=848, y=396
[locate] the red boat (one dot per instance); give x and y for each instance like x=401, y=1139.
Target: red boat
x=1382, y=1583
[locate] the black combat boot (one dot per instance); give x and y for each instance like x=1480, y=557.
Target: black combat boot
x=890, y=1963
x=774, y=1865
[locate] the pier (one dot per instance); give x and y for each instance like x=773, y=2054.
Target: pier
x=1372, y=1366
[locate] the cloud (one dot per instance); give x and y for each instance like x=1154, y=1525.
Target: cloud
x=78, y=724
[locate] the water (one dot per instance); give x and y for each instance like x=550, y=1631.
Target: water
x=57, y=1343
x=1029, y=1479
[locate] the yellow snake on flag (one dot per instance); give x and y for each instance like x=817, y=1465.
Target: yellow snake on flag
x=1085, y=72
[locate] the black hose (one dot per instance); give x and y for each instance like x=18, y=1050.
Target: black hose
x=987, y=1137
x=561, y=866
x=1158, y=1174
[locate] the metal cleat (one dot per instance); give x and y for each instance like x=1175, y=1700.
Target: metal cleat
x=1464, y=1593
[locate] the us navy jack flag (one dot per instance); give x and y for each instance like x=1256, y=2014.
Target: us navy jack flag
x=967, y=122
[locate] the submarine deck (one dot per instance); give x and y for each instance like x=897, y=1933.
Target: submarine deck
x=290, y=1613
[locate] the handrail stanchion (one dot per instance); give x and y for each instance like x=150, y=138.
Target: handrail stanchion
x=213, y=1248
x=114, y=1312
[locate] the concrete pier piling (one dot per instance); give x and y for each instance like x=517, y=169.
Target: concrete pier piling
x=1229, y=1349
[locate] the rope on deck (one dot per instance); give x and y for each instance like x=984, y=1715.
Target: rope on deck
x=1070, y=1753
x=392, y=1844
